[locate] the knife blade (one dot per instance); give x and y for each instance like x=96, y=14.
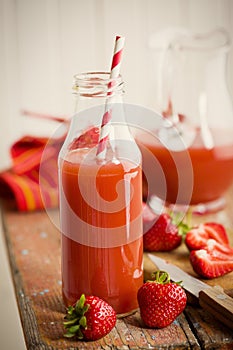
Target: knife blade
x=213, y=299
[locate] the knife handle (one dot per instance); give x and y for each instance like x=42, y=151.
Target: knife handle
x=218, y=303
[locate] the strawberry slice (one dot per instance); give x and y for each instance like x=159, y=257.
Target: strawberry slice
x=88, y=139
x=208, y=265
x=198, y=236
x=219, y=251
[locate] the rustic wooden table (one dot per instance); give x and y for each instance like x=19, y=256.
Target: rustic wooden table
x=33, y=243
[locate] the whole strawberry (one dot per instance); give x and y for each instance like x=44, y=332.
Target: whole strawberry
x=161, y=301
x=161, y=233
x=91, y=318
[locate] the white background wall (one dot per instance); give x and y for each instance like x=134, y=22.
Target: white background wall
x=43, y=43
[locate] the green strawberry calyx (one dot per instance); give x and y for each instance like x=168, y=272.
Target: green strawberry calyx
x=182, y=226
x=75, y=320
x=162, y=277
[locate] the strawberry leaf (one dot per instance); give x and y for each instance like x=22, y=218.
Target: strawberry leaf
x=69, y=335
x=162, y=277
x=75, y=319
x=70, y=310
x=178, y=220
x=80, y=304
x=83, y=322
x=74, y=329
x=70, y=322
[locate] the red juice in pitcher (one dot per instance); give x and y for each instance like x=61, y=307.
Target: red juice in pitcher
x=211, y=169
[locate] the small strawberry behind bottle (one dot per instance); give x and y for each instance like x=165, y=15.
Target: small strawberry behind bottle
x=161, y=301
x=162, y=233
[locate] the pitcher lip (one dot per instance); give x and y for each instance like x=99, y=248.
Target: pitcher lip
x=203, y=42
x=179, y=38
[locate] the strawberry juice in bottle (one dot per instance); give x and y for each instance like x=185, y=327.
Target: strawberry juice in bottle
x=100, y=202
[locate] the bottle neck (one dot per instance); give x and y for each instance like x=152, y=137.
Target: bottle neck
x=99, y=106
x=96, y=88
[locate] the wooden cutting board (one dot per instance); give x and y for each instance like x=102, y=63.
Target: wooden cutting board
x=180, y=256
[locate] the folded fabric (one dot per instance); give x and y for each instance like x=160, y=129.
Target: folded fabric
x=33, y=180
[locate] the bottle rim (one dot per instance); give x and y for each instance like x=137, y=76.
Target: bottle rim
x=97, y=84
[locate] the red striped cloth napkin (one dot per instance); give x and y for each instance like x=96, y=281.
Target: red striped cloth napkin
x=33, y=180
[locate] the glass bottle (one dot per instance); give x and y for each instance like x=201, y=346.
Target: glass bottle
x=100, y=199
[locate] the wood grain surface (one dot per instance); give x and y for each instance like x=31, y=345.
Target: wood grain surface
x=33, y=242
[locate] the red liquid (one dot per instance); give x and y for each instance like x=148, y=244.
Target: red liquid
x=92, y=263
x=204, y=178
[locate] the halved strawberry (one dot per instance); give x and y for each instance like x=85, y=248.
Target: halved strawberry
x=209, y=266
x=218, y=250
x=88, y=139
x=198, y=236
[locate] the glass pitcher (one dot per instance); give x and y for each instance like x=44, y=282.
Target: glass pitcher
x=193, y=97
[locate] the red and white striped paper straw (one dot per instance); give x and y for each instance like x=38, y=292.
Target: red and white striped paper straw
x=106, y=120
